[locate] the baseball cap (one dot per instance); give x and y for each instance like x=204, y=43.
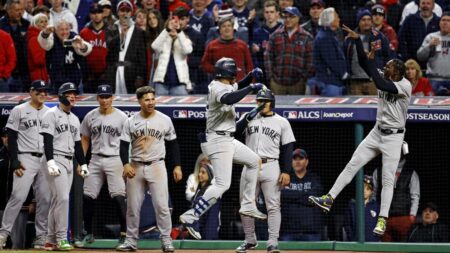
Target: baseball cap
x=39, y=85
x=104, y=3
x=95, y=8
x=104, y=90
x=431, y=206
x=317, y=2
x=181, y=12
x=292, y=10
x=378, y=9
x=299, y=152
x=124, y=5
x=368, y=180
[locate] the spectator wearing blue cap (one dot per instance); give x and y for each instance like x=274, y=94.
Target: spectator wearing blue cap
x=371, y=210
x=288, y=57
x=360, y=82
x=294, y=201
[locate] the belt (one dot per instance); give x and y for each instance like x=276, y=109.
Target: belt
x=68, y=157
x=106, y=156
x=391, y=130
x=149, y=162
x=224, y=133
x=266, y=160
x=32, y=153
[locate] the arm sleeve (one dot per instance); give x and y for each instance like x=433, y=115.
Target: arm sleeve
x=46, y=43
x=11, y=59
x=124, y=153
x=48, y=146
x=425, y=51
x=175, y=151
x=190, y=183
x=370, y=69
x=158, y=43
x=246, y=81
x=235, y=96
x=85, y=52
x=185, y=43
x=79, y=154
x=286, y=157
x=414, y=190
x=12, y=144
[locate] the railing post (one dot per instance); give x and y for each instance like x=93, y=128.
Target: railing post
x=359, y=180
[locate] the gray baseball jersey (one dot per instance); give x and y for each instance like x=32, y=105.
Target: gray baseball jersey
x=26, y=120
x=65, y=128
x=147, y=136
x=392, y=108
x=104, y=131
x=265, y=135
x=391, y=116
x=220, y=117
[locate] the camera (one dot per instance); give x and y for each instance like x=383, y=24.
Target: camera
x=68, y=43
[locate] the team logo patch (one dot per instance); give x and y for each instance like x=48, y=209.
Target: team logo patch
x=290, y=114
x=180, y=114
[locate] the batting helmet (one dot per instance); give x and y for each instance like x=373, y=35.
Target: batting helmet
x=266, y=94
x=66, y=87
x=225, y=68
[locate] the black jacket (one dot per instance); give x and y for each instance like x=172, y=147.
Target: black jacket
x=135, y=58
x=429, y=233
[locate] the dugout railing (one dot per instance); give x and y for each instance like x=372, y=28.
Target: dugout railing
x=328, y=128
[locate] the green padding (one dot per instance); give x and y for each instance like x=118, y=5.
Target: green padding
x=326, y=245
x=393, y=247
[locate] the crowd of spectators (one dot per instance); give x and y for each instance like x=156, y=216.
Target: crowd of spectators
x=172, y=45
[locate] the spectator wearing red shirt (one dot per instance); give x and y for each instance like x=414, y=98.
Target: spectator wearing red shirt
x=7, y=59
x=95, y=34
x=378, y=20
x=36, y=54
x=421, y=85
x=227, y=46
x=289, y=56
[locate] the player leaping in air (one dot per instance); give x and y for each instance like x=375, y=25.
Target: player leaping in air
x=394, y=93
x=220, y=146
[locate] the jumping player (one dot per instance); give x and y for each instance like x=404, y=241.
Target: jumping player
x=26, y=148
x=220, y=146
x=270, y=136
x=394, y=93
x=148, y=131
x=61, y=131
x=102, y=128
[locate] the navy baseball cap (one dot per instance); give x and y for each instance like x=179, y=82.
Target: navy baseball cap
x=95, y=8
x=299, y=152
x=104, y=90
x=292, y=10
x=317, y=2
x=39, y=85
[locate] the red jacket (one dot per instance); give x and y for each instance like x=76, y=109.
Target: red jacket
x=391, y=35
x=36, y=56
x=423, y=88
x=96, y=60
x=235, y=49
x=7, y=55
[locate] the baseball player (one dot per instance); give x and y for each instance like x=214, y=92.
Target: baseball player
x=26, y=148
x=220, y=146
x=148, y=131
x=61, y=131
x=266, y=133
x=102, y=128
x=394, y=93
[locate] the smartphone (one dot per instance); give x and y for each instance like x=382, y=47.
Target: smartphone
x=68, y=43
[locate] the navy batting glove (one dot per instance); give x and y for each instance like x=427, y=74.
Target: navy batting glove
x=257, y=86
x=257, y=73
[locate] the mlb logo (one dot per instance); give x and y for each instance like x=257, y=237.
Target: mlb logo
x=290, y=114
x=180, y=114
